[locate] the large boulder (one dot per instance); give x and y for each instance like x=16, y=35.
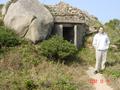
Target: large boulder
x=28, y=18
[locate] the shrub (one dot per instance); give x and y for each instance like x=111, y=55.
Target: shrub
x=114, y=73
x=1, y=5
x=30, y=84
x=66, y=84
x=8, y=38
x=1, y=21
x=58, y=48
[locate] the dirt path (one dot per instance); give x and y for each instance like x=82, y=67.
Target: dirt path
x=98, y=80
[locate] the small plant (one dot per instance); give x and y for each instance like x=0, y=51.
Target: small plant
x=30, y=84
x=113, y=73
x=116, y=74
x=65, y=83
x=58, y=48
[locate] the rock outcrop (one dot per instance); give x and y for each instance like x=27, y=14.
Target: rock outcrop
x=28, y=18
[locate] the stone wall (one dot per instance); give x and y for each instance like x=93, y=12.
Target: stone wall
x=81, y=32
x=58, y=29
x=67, y=19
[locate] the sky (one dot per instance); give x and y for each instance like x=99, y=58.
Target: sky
x=104, y=10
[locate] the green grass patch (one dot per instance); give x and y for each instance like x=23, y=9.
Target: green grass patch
x=87, y=56
x=113, y=73
x=8, y=38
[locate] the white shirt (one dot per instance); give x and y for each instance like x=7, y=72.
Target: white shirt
x=101, y=41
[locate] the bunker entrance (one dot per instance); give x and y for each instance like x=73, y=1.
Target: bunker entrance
x=68, y=34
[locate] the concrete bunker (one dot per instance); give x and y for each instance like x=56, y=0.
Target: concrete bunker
x=69, y=23
x=71, y=32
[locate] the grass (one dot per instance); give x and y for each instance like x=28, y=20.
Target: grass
x=87, y=55
x=112, y=71
x=23, y=67
x=8, y=38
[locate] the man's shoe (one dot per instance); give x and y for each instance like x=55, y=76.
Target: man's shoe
x=95, y=72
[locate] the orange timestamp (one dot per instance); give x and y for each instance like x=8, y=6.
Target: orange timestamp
x=100, y=81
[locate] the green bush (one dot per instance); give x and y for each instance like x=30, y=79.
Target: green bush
x=66, y=84
x=8, y=38
x=30, y=84
x=1, y=21
x=1, y=5
x=58, y=48
x=114, y=73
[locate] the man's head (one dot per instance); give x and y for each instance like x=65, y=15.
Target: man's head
x=101, y=30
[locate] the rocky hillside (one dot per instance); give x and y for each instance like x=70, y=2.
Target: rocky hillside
x=23, y=67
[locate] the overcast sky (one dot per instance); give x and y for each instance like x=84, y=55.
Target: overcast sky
x=103, y=9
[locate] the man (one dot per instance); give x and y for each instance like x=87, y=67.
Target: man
x=101, y=44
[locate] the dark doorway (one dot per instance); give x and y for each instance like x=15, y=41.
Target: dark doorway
x=68, y=34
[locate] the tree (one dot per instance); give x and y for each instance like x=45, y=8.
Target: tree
x=113, y=24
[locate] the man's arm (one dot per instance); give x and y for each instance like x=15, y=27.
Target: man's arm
x=107, y=42
x=94, y=43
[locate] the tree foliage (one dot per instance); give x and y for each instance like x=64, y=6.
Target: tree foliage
x=58, y=48
x=113, y=24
